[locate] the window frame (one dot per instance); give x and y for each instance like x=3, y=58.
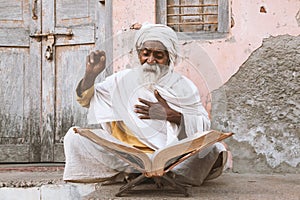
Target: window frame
x=224, y=19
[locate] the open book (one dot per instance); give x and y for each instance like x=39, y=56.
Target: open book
x=162, y=160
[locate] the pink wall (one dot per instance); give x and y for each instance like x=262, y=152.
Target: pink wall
x=126, y=13
x=250, y=27
x=210, y=63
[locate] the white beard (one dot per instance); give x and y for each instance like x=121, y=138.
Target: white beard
x=150, y=74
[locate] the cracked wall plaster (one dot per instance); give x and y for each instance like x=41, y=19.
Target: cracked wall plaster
x=261, y=105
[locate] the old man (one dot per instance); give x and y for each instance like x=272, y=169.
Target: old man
x=148, y=106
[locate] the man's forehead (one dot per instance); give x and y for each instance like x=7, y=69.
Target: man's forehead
x=157, y=45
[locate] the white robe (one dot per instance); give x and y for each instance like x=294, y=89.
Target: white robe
x=114, y=100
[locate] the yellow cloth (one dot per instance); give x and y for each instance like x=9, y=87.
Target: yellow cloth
x=122, y=133
x=118, y=129
x=85, y=98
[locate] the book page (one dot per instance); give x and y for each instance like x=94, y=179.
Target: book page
x=135, y=157
x=162, y=159
x=185, y=146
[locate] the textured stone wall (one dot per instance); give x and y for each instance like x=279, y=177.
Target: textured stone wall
x=261, y=105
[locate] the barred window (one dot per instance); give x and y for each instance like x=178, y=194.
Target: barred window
x=194, y=16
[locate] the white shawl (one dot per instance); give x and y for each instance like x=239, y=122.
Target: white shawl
x=114, y=100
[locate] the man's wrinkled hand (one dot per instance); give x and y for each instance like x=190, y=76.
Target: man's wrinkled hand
x=95, y=63
x=157, y=110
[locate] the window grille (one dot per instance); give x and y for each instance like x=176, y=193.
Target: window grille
x=195, y=18
x=192, y=16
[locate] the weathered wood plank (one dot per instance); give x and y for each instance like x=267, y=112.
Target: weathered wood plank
x=70, y=55
x=161, y=15
x=14, y=8
x=12, y=64
x=19, y=79
x=14, y=37
x=14, y=22
x=48, y=86
x=14, y=153
x=60, y=110
x=32, y=92
x=39, y=105
x=59, y=155
x=72, y=67
x=84, y=34
x=70, y=12
x=224, y=16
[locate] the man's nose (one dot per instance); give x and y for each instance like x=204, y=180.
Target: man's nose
x=151, y=59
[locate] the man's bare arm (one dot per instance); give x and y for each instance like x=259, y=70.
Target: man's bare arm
x=95, y=64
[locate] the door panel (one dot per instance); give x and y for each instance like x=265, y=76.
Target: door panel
x=85, y=34
x=74, y=12
x=20, y=84
x=14, y=25
x=78, y=16
x=12, y=102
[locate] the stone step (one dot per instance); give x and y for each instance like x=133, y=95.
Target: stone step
x=42, y=183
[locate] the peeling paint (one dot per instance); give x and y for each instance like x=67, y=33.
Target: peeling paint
x=276, y=149
x=261, y=102
x=298, y=17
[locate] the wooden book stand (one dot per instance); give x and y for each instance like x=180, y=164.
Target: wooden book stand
x=158, y=179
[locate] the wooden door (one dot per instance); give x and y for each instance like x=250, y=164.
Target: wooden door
x=20, y=84
x=39, y=74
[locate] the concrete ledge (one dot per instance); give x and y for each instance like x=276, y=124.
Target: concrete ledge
x=30, y=175
x=48, y=185
x=48, y=192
